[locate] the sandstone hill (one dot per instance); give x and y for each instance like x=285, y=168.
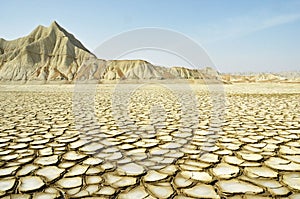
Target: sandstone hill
x=140, y=70
x=47, y=53
x=51, y=54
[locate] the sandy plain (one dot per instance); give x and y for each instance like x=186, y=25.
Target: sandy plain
x=150, y=141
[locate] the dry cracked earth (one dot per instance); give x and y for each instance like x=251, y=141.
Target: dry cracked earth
x=150, y=141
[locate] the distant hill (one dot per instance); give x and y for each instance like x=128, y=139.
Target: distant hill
x=51, y=54
x=140, y=70
x=282, y=77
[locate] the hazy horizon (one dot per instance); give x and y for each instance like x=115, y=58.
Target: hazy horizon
x=256, y=36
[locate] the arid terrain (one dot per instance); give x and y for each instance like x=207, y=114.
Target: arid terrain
x=150, y=141
x=73, y=125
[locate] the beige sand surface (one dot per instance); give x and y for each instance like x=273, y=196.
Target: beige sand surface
x=150, y=141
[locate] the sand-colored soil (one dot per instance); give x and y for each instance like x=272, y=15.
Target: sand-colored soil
x=150, y=141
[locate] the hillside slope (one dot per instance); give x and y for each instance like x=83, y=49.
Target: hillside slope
x=47, y=53
x=53, y=54
x=50, y=54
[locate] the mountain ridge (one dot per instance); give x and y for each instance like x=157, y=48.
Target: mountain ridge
x=50, y=54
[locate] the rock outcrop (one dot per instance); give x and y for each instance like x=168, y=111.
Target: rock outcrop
x=47, y=53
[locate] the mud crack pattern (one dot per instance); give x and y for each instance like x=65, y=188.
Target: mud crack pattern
x=254, y=154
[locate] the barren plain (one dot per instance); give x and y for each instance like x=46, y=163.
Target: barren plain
x=150, y=141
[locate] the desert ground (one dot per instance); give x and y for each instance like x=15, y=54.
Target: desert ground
x=150, y=141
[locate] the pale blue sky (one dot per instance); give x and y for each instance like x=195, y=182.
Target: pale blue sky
x=249, y=35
